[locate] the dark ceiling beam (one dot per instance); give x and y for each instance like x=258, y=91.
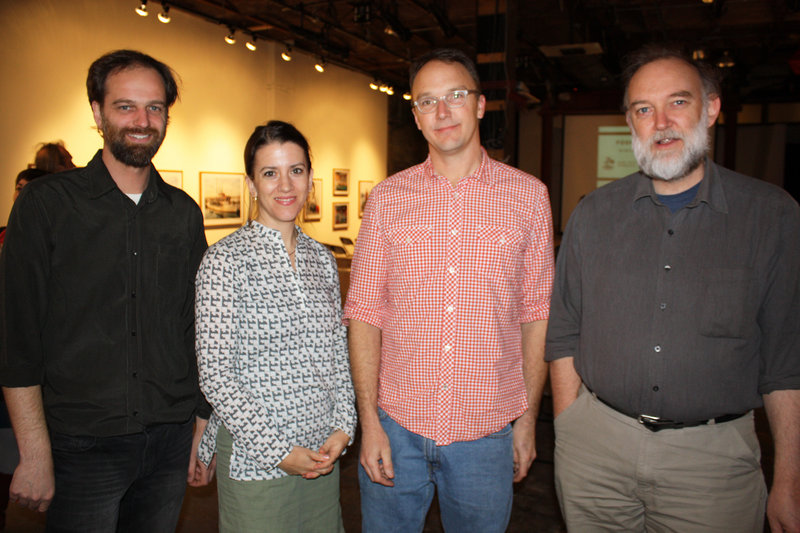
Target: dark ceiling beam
x=448, y=28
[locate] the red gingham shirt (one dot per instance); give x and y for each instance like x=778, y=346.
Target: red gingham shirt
x=449, y=274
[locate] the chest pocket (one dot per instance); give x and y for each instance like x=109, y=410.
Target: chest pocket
x=725, y=302
x=410, y=255
x=501, y=249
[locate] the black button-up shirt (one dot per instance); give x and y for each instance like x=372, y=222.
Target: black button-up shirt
x=685, y=316
x=98, y=302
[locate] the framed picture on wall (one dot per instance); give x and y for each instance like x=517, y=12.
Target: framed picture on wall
x=172, y=177
x=340, y=215
x=364, y=188
x=341, y=181
x=313, y=209
x=221, y=198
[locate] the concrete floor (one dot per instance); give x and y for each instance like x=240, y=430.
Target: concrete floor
x=535, y=505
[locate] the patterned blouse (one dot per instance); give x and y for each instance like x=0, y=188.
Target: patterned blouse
x=271, y=349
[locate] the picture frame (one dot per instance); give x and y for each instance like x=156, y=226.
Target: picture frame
x=222, y=198
x=364, y=188
x=172, y=177
x=340, y=215
x=341, y=181
x=312, y=211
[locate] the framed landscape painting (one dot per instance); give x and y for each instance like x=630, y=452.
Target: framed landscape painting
x=221, y=198
x=313, y=209
x=341, y=182
x=340, y=215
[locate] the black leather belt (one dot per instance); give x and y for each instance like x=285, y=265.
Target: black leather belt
x=654, y=423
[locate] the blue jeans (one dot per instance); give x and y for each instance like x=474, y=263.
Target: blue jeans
x=129, y=483
x=474, y=480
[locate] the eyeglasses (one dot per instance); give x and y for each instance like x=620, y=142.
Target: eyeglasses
x=457, y=98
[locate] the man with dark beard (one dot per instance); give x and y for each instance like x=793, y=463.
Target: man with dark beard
x=97, y=355
x=674, y=315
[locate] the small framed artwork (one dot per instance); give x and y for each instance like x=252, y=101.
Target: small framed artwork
x=340, y=215
x=172, y=177
x=313, y=209
x=364, y=188
x=221, y=198
x=341, y=182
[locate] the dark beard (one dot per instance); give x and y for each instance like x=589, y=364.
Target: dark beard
x=132, y=155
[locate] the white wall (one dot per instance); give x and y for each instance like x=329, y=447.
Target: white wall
x=227, y=90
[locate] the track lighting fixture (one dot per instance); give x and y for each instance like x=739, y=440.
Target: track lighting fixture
x=383, y=88
x=390, y=91
x=164, y=15
x=406, y=96
x=726, y=61
x=230, y=38
x=142, y=9
x=373, y=85
x=320, y=66
x=286, y=55
x=251, y=44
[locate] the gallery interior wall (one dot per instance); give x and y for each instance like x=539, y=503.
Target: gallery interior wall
x=227, y=90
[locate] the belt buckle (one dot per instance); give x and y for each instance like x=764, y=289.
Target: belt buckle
x=653, y=423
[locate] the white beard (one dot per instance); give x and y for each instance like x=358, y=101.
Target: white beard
x=668, y=167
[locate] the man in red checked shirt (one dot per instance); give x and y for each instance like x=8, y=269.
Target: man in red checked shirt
x=448, y=307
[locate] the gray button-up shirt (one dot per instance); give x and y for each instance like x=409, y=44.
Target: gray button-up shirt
x=685, y=316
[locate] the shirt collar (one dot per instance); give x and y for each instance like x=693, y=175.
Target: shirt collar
x=101, y=182
x=483, y=173
x=710, y=192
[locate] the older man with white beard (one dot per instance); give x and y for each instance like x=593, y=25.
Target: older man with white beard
x=674, y=315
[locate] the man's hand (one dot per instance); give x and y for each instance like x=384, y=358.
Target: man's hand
x=524, y=445
x=33, y=484
x=198, y=473
x=376, y=455
x=783, y=508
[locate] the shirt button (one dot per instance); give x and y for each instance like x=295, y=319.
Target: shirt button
x=670, y=232
x=452, y=270
x=133, y=333
x=447, y=347
x=657, y=348
x=135, y=374
x=135, y=253
x=136, y=413
x=655, y=388
x=662, y=306
x=444, y=387
x=133, y=294
x=450, y=309
x=667, y=268
x=454, y=232
x=502, y=240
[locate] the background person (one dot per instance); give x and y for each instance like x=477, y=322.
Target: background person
x=272, y=354
x=53, y=157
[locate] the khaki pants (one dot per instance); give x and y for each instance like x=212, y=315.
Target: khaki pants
x=613, y=474
x=285, y=505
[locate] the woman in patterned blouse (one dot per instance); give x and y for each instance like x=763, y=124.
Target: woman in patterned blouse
x=272, y=355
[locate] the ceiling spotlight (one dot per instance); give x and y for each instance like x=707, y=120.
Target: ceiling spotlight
x=320, y=65
x=373, y=85
x=708, y=1
x=164, y=15
x=251, y=44
x=390, y=91
x=383, y=88
x=726, y=61
x=142, y=9
x=406, y=96
x=286, y=55
x=230, y=38
x=698, y=54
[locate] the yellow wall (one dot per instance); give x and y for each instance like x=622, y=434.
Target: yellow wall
x=227, y=90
